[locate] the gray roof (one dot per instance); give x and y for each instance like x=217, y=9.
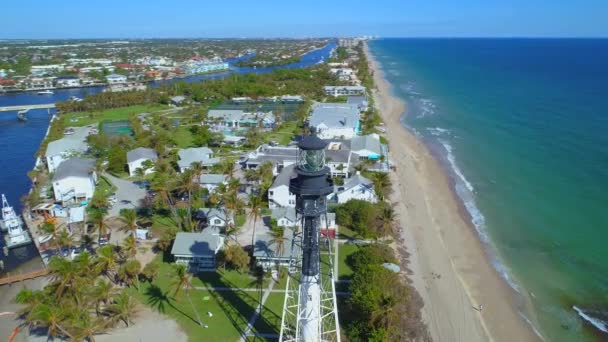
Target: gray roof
x=369, y=142
x=358, y=100
x=204, y=243
x=66, y=144
x=225, y=114
x=273, y=154
x=141, y=153
x=361, y=88
x=178, y=99
x=284, y=176
x=75, y=167
x=335, y=115
x=212, y=212
x=265, y=248
x=356, y=180
x=289, y=213
x=188, y=156
x=212, y=178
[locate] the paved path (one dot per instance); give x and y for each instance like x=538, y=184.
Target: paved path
x=128, y=194
x=256, y=314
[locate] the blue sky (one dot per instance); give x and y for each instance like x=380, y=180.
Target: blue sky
x=263, y=18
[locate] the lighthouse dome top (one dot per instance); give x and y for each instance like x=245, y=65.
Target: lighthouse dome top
x=312, y=142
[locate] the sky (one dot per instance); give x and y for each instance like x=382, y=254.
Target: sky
x=30, y=19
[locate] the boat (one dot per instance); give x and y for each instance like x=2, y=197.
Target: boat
x=12, y=226
x=21, y=115
x=45, y=92
x=75, y=99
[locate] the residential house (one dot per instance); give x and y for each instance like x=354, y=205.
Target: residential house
x=203, y=155
x=38, y=82
x=74, y=180
x=367, y=147
x=212, y=181
x=177, y=100
x=278, y=193
x=73, y=145
x=344, y=90
x=237, y=118
x=286, y=217
x=214, y=217
x=268, y=254
x=360, y=101
x=66, y=82
x=198, y=250
x=116, y=79
x=356, y=187
x=137, y=157
x=335, y=120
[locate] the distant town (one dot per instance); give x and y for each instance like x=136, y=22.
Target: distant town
x=127, y=64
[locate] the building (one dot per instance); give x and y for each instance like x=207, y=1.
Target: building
x=116, y=79
x=66, y=82
x=360, y=101
x=237, y=118
x=63, y=149
x=38, y=83
x=286, y=217
x=348, y=42
x=178, y=100
x=356, y=187
x=41, y=70
x=344, y=90
x=137, y=157
x=278, y=193
x=335, y=120
x=211, y=181
x=268, y=253
x=367, y=147
x=214, y=217
x=197, y=250
x=74, y=180
x=203, y=155
x=196, y=65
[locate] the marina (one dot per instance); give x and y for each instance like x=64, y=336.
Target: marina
x=15, y=234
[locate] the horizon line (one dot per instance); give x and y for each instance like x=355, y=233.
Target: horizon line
x=308, y=37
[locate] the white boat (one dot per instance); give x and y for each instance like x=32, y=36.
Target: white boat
x=12, y=224
x=45, y=92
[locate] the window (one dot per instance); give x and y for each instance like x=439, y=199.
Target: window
x=217, y=221
x=271, y=193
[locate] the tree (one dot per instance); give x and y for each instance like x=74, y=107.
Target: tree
x=255, y=212
x=386, y=218
x=51, y=317
x=129, y=246
x=235, y=257
x=124, y=308
x=182, y=280
x=102, y=293
x=150, y=271
x=107, y=260
x=359, y=216
x=128, y=273
x=98, y=218
x=278, y=239
x=129, y=219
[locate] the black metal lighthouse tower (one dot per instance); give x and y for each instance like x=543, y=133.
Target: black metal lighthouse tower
x=311, y=187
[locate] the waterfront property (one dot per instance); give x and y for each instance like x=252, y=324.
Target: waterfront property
x=344, y=90
x=367, y=147
x=74, y=181
x=197, y=65
x=203, y=155
x=138, y=157
x=335, y=120
x=360, y=101
x=116, y=79
x=356, y=187
x=198, y=250
x=67, y=82
x=72, y=145
x=237, y=118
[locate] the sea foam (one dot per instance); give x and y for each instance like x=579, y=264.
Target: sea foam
x=596, y=322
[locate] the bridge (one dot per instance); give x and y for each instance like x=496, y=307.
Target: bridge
x=23, y=276
x=27, y=107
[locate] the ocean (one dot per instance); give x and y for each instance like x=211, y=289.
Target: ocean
x=521, y=126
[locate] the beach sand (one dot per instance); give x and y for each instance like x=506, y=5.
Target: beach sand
x=449, y=265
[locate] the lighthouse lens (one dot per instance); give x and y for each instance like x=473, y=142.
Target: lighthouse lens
x=312, y=160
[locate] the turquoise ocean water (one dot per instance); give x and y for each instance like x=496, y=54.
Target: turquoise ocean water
x=521, y=126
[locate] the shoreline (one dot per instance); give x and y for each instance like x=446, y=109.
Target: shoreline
x=451, y=268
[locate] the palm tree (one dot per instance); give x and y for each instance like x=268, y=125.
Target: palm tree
x=85, y=327
x=387, y=219
x=98, y=218
x=64, y=274
x=124, y=308
x=197, y=169
x=278, y=239
x=65, y=239
x=51, y=317
x=129, y=246
x=107, y=260
x=129, y=218
x=188, y=185
x=255, y=212
x=128, y=273
x=102, y=293
x=182, y=280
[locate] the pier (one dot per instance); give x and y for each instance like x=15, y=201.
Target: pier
x=27, y=107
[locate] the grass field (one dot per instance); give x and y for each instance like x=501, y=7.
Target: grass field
x=183, y=137
x=115, y=114
x=284, y=135
x=344, y=250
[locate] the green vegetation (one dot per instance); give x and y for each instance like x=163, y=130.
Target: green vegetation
x=345, y=251
x=369, y=220
x=183, y=137
x=77, y=119
x=283, y=134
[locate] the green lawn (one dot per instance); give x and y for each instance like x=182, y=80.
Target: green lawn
x=231, y=310
x=183, y=137
x=226, y=278
x=284, y=135
x=345, y=233
x=115, y=114
x=104, y=186
x=344, y=250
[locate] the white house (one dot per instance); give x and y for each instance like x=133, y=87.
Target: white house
x=74, y=180
x=137, y=157
x=344, y=90
x=335, y=120
x=197, y=250
x=203, y=155
x=211, y=181
x=367, y=147
x=116, y=79
x=214, y=217
x=278, y=193
x=268, y=254
x=356, y=187
x=62, y=149
x=236, y=118
x=286, y=217
x=67, y=81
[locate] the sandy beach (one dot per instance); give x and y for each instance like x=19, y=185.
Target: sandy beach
x=451, y=270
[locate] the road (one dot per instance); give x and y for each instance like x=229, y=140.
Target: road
x=128, y=195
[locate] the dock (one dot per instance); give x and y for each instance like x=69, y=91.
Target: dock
x=26, y=107
x=24, y=276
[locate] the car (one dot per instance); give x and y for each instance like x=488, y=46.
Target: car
x=75, y=253
x=102, y=241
